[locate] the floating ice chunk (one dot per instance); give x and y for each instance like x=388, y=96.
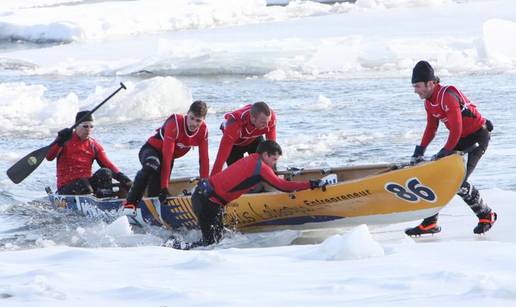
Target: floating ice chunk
x=152, y=98
x=356, y=244
x=281, y=74
x=322, y=103
x=44, y=243
x=120, y=227
x=499, y=49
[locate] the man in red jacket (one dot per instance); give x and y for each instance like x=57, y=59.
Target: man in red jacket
x=242, y=131
x=171, y=141
x=75, y=152
x=212, y=194
x=466, y=128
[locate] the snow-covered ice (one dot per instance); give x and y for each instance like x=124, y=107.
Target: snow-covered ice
x=355, y=267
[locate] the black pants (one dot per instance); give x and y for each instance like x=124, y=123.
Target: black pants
x=237, y=152
x=149, y=177
x=468, y=192
x=482, y=138
x=100, y=184
x=209, y=216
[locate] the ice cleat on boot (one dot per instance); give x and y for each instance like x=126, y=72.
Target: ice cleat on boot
x=176, y=244
x=181, y=245
x=422, y=229
x=485, y=222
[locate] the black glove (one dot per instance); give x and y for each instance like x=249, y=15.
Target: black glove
x=124, y=180
x=442, y=153
x=316, y=184
x=163, y=196
x=418, y=154
x=63, y=136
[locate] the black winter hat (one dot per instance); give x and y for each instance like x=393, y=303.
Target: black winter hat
x=80, y=114
x=422, y=72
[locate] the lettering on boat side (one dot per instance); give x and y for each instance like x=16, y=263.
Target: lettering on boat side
x=91, y=209
x=86, y=206
x=343, y=197
x=266, y=212
x=245, y=217
x=413, y=191
x=248, y=214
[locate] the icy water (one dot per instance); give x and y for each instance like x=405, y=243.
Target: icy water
x=320, y=123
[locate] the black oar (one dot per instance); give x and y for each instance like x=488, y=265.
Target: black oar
x=25, y=166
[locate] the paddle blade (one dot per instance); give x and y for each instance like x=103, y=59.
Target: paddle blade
x=25, y=166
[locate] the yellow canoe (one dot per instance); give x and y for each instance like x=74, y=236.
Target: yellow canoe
x=377, y=194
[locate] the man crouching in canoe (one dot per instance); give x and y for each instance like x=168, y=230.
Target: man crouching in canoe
x=75, y=152
x=212, y=194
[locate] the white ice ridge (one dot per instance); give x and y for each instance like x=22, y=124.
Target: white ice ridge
x=43, y=21
x=24, y=108
x=328, y=46
x=113, y=19
x=500, y=50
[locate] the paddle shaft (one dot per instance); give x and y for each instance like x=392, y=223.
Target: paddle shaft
x=26, y=165
x=122, y=86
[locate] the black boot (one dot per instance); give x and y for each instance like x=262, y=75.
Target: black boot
x=427, y=226
x=140, y=183
x=421, y=230
x=485, y=215
x=182, y=245
x=485, y=222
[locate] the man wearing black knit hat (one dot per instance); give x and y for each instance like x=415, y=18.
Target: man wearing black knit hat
x=75, y=152
x=466, y=127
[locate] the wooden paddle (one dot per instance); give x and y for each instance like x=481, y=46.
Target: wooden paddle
x=26, y=165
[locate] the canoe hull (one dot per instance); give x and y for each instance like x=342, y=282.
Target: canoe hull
x=393, y=196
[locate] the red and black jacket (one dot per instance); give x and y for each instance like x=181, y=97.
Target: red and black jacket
x=241, y=176
x=174, y=140
x=237, y=130
x=75, y=159
x=450, y=106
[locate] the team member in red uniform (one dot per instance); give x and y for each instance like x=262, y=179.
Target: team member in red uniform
x=466, y=128
x=242, y=131
x=173, y=140
x=212, y=194
x=75, y=152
